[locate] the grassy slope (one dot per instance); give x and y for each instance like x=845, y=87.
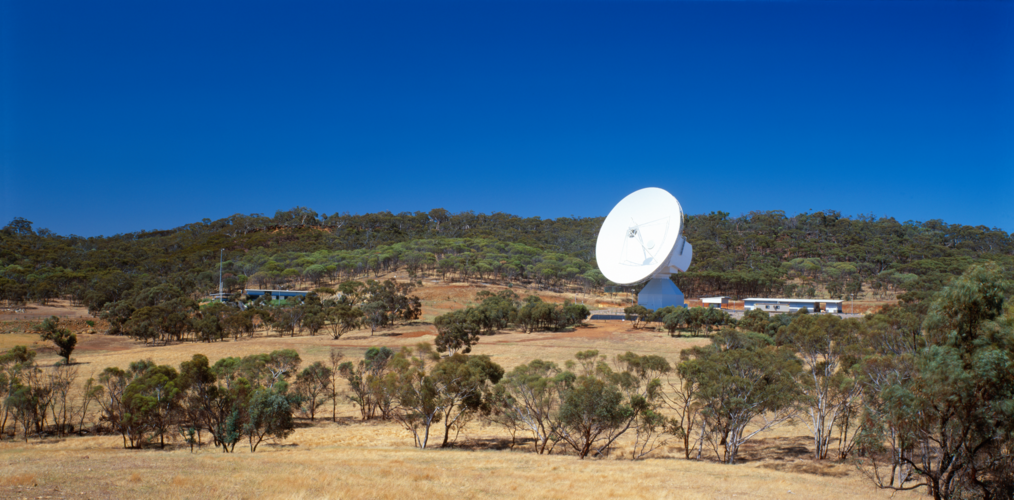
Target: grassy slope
x=375, y=460
x=365, y=461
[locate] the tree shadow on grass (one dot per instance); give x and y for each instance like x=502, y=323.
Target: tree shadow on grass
x=781, y=449
x=280, y=445
x=492, y=444
x=789, y=454
x=339, y=421
x=826, y=468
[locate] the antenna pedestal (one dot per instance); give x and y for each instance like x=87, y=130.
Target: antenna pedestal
x=660, y=292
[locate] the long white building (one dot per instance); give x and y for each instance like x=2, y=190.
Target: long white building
x=779, y=305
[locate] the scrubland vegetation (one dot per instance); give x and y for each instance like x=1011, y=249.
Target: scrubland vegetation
x=919, y=396
x=910, y=401
x=821, y=254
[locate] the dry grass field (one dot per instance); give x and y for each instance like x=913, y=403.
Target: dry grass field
x=351, y=459
x=367, y=461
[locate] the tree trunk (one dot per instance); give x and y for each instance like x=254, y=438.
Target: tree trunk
x=447, y=431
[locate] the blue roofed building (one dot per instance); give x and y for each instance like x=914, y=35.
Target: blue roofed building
x=275, y=294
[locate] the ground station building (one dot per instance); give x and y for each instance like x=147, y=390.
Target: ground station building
x=792, y=305
x=275, y=294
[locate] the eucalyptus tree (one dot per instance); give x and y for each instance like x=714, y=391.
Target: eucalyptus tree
x=366, y=379
x=341, y=317
x=269, y=414
x=151, y=402
x=313, y=385
x=335, y=358
x=375, y=315
x=465, y=384
x=314, y=317
x=109, y=394
x=675, y=320
x=458, y=330
x=591, y=408
x=420, y=404
x=64, y=339
x=829, y=347
x=637, y=315
x=17, y=370
x=645, y=390
x=498, y=311
x=742, y=379
x=681, y=399
x=528, y=397
x=947, y=424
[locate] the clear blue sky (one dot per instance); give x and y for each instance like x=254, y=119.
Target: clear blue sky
x=121, y=116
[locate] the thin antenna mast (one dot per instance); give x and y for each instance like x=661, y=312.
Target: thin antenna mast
x=221, y=256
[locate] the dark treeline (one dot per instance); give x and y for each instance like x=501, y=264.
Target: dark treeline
x=458, y=330
x=763, y=253
x=766, y=253
x=296, y=247
x=164, y=314
x=252, y=398
x=916, y=396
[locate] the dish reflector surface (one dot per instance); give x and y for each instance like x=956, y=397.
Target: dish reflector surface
x=637, y=237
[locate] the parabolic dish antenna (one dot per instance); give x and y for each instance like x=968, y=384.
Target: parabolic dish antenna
x=642, y=239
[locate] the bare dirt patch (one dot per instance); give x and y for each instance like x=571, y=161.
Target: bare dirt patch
x=418, y=333
x=102, y=342
x=60, y=308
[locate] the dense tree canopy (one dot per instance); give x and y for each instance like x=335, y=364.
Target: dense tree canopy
x=821, y=254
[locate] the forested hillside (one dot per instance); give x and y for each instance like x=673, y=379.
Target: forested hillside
x=915, y=395
x=822, y=254
x=771, y=253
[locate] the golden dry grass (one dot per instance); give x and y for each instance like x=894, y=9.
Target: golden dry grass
x=31, y=340
x=375, y=459
x=367, y=461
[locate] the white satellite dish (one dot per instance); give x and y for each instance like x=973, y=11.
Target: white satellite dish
x=642, y=239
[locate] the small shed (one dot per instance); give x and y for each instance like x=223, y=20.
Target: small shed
x=832, y=306
x=721, y=302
